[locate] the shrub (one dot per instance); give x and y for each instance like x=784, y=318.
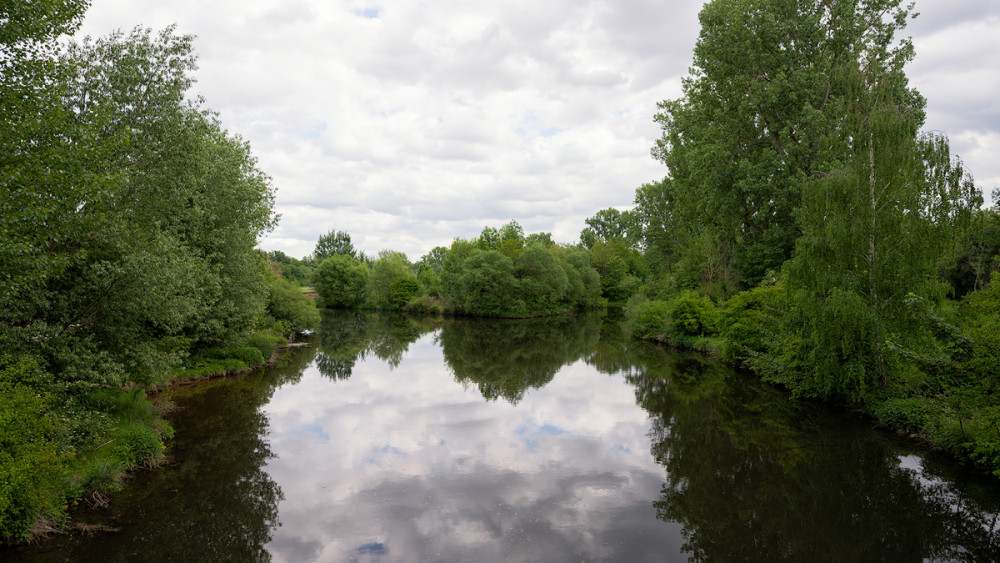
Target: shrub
x=693, y=315
x=909, y=414
x=288, y=304
x=648, y=318
x=341, y=281
x=138, y=444
x=249, y=355
x=403, y=290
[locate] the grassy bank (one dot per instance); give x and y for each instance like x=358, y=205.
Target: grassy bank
x=62, y=445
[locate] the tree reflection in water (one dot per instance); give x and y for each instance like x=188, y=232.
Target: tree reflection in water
x=214, y=499
x=749, y=473
x=752, y=475
x=505, y=358
x=347, y=337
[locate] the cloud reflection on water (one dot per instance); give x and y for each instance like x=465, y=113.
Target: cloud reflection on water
x=425, y=468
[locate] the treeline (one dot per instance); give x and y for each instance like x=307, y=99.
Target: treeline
x=500, y=273
x=128, y=221
x=809, y=230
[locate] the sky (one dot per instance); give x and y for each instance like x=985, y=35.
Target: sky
x=408, y=123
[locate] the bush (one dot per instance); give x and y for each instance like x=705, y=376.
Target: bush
x=30, y=462
x=693, y=315
x=341, y=281
x=909, y=414
x=403, y=290
x=288, y=304
x=137, y=444
x=648, y=318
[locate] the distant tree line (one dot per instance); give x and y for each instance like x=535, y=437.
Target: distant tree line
x=500, y=273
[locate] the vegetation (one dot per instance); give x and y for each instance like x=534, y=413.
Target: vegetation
x=501, y=273
x=128, y=221
x=811, y=231
x=808, y=229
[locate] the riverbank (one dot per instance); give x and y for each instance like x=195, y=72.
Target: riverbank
x=64, y=449
x=945, y=397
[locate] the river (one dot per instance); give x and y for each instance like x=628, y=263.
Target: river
x=411, y=439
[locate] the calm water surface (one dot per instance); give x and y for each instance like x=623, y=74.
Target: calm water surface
x=398, y=439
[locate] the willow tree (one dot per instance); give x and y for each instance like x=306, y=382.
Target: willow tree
x=886, y=206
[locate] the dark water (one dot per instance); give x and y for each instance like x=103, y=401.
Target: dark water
x=396, y=439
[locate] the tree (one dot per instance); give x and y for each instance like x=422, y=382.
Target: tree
x=434, y=259
x=488, y=286
x=608, y=224
x=287, y=303
x=508, y=239
x=341, y=281
x=876, y=225
x=334, y=242
x=542, y=281
x=388, y=268
x=767, y=82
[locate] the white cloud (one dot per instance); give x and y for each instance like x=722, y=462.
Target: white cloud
x=410, y=123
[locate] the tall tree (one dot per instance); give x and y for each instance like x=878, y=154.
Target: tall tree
x=334, y=242
x=766, y=79
x=876, y=223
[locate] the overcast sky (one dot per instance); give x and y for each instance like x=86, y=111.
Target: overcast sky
x=408, y=123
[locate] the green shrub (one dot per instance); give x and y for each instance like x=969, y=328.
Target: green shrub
x=30, y=460
x=288, y=304
x=265, y=341
x=137, y=444
x=648, y=318
x=249, y=355
x=909, y=414
x=693, y=315
x=403, y=290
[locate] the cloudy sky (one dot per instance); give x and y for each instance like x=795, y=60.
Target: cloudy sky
x=408, y=123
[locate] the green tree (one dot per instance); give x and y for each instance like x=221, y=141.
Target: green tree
x=287, y=303
x=452, y=268
x=334, y=242
x=769, y=80
x=434, y=259
x=608, y=224
x=388, y=268
x=488, y=286
x=875, y=228
x=542, y=282
x=341, y=281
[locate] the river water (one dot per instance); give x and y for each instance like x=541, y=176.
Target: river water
x=406, y=439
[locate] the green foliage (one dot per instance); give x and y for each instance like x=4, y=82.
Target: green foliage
x=430, y=282
x=128, y=224
x=434, y=259
x=287, y=303
x=388, y=268
x=907, y=413
x=138, y=444
x=452, y=267
x=612, y=224
x=403, y=290
x=693, y=315
x=341, y=281
x=488, y=286
x=334, y=243
x=648, y=318
x=31, y=461
x=749, y=321
x=542, y=282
